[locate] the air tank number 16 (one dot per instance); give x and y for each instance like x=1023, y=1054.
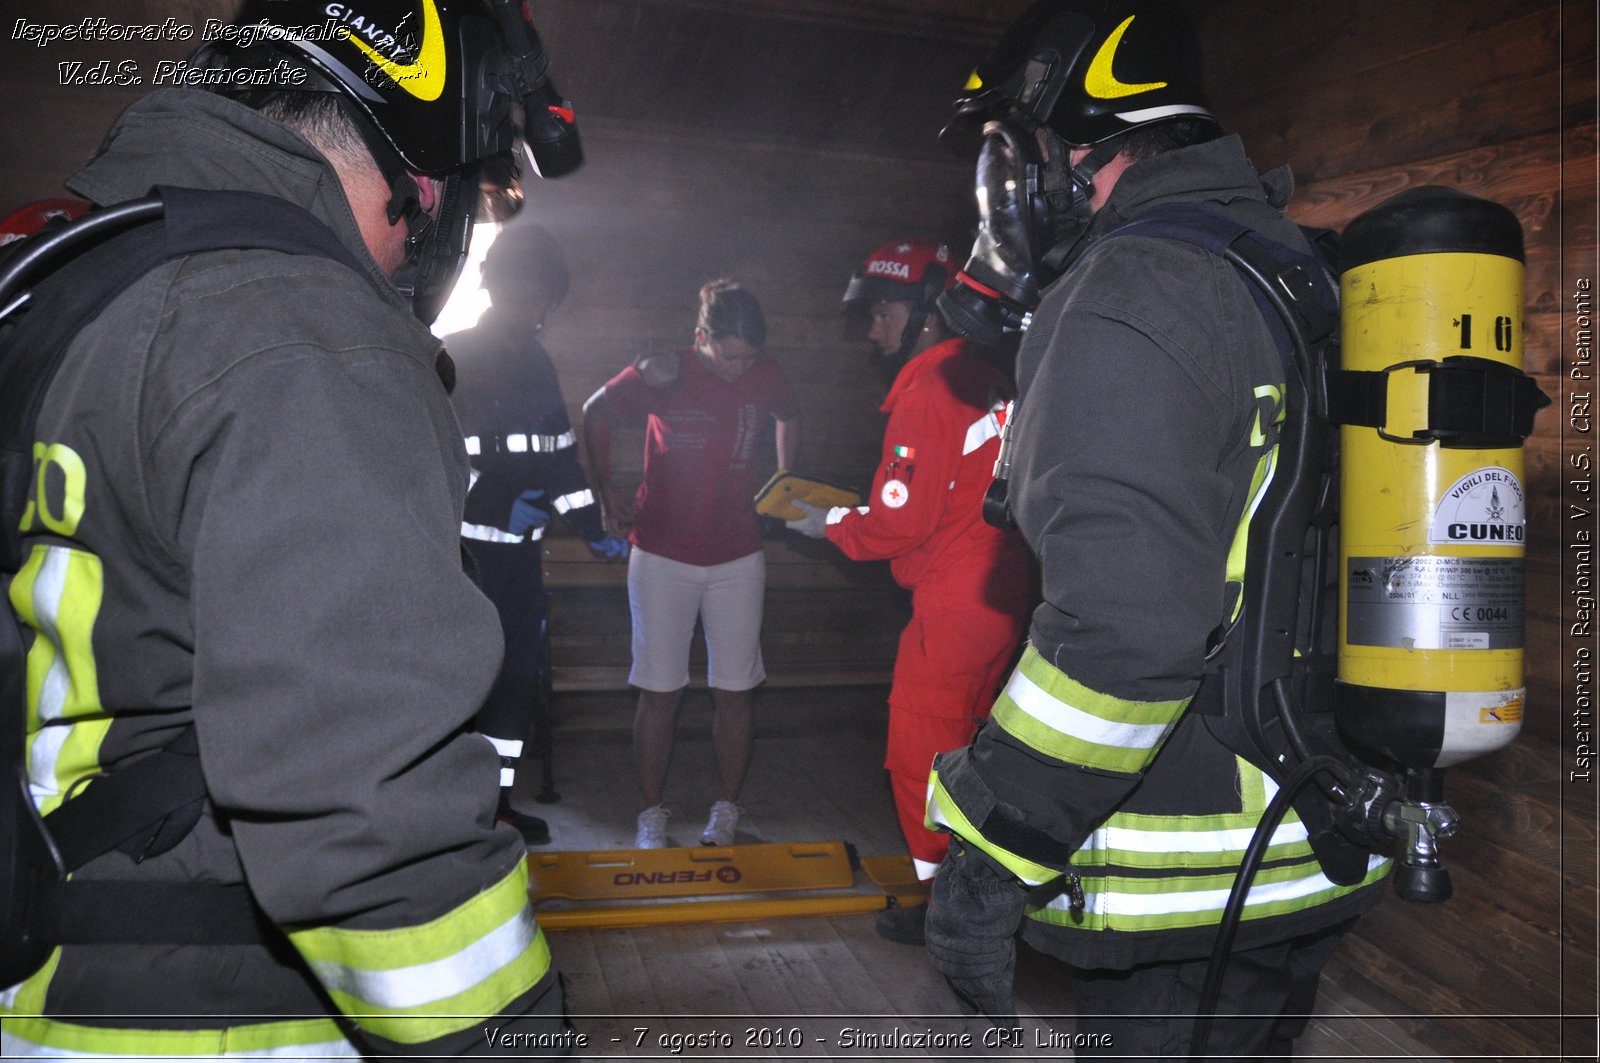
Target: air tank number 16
x=1502, y=332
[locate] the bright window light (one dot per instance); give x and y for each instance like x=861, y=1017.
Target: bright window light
x=468, y=300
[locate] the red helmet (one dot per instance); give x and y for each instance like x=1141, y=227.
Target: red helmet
x=911, y=271
x=27, y=220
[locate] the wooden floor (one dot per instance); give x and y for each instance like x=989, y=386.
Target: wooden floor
x=812, y=986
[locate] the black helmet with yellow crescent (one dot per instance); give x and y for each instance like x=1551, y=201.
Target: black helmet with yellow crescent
x=448, y=83
x=1088, y=70
x=1067, y=74
x=454, y=89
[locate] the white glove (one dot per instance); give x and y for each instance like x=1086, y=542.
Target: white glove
x=813, y=525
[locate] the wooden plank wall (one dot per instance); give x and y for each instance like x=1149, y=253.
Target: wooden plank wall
x=1365, y=99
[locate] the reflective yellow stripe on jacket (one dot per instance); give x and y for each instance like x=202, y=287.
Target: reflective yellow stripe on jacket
x=944, y=813
x=26, y=1034
x=34, y=1038
x=1128, y=904
x=413, y=984
x=58, y=593
x=1200, y=855
x=1049, y=711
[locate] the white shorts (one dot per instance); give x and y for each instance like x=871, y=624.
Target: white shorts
x=666, y=596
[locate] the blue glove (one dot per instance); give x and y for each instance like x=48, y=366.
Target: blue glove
x=525, y=516
x=611, y=548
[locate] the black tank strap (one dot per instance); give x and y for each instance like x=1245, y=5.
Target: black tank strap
x=1477, y=403
x=133, y=808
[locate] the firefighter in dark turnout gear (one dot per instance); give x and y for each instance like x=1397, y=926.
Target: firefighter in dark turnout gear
x=252, y=536
x=1095, y=810
x=525, y=469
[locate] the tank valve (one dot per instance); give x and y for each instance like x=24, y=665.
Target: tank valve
x=1419, y=824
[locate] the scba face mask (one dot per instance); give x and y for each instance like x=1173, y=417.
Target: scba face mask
x=1080, y=73
x=1033, y=208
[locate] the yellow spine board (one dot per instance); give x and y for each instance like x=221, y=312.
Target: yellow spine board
x=640, y=874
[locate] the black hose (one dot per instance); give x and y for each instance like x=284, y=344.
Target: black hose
x=1229, y=926
x=1336, y=790
x=90, y=229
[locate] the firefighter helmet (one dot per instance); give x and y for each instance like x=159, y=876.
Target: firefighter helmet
x=1087, y=70
x=455, y=89
x=449, y=83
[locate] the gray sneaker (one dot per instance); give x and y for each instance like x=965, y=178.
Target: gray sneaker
x=720, y=827
x=652, y=828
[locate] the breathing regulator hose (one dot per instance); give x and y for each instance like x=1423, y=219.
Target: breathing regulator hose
x=1229, y=926
x=45, y=249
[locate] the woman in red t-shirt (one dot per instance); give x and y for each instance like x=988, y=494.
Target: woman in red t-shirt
x=696, y=542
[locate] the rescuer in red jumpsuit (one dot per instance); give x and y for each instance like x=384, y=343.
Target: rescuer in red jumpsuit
x=968, y=581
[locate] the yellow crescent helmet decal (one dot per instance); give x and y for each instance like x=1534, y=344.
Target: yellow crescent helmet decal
x=974, y=82
x=425, y=77
x=1101, y=83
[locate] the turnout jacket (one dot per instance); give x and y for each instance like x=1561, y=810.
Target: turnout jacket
x=518, y=434
x=1150, y=396
x=248, y=520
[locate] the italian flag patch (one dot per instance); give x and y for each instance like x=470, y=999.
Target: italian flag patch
x=905, y=452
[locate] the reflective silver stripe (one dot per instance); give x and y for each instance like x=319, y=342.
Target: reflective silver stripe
x=399, y=988
x=485, y=533
x=508, y=776
x=576, y=500
x=48, y=589
x=1137, y=904
x=45, y=749
x=474, y=445
x=473, y=476
x=1150, y=114
x=560, y=442
x=982, y=430
x=1235, y=840
x=506, y=747
x=524, y=442
x=1084, y=726
x=924, y=869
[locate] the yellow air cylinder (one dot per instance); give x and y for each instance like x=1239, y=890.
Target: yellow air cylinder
x=1431, y=493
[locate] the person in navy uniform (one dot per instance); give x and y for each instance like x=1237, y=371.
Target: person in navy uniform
x=524, y=457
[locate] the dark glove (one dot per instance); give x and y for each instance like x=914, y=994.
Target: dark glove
x=525, y=515
x=973, y=918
